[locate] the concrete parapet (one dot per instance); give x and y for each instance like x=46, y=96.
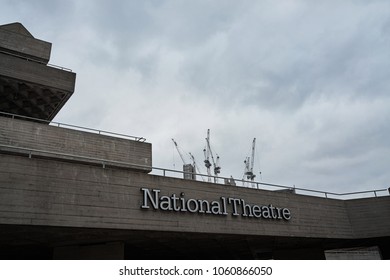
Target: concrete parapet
x=16, y=39
x=369, y=217
x=74, y=145
x=40, y=74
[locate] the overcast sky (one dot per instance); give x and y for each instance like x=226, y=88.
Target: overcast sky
x=308, y=79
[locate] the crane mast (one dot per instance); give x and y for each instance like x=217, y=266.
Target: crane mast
x=217, y=168
x=179, y=152
x=249, y=162
x=206, y=152
x=253, y=155
x=188, y=169
x=196, y=166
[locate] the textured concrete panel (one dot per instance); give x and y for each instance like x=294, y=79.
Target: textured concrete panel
x=361, y=253
x=47, y=192
x=370, y=217
x=14, y=38
x=69, y=144
x=23, y=70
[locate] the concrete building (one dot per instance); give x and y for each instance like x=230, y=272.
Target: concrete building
x=67, y=193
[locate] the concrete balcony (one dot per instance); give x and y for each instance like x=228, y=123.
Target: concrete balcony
x=16, y=39
x=28, y=85
x=33, y=89
x=63, y=144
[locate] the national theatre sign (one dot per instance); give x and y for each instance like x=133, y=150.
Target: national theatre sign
x=152, y=198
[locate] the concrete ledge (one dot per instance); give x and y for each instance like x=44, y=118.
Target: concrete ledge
x=16, y=39
x=33, y=72
x=18, y=136
x=32, y=153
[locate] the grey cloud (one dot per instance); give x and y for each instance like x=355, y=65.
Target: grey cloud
x=284, y=62
x=308, y=79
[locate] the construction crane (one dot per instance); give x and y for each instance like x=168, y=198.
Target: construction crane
x=189, y=169
x=249, y=162
x=208, y=151
x=196, y=166
x=179, y=152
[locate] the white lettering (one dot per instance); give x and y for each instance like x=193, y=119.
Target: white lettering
x=152, y=199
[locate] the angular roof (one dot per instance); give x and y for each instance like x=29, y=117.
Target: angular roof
x=17, y=27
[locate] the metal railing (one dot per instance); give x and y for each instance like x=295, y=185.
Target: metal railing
x=75, y=127
x=36, y=61
x=165, y=172
x=157, y=171
x=38, y=153
x=277, y=187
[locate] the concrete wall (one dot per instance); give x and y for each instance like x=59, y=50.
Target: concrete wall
x=361, y=253
x=22, y=43
x=54, y=193
x=27, y=134
x=58, y=191
x=17, y=68
x=370, y=217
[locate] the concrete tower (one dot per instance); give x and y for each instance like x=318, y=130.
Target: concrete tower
x=29, y=86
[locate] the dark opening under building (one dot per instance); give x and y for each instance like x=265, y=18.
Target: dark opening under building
x=70, y=193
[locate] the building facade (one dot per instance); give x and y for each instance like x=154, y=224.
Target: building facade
x=67, y=193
